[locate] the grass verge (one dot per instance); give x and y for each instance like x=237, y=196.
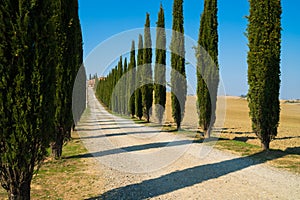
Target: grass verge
x=288, y=159
x=72, y=177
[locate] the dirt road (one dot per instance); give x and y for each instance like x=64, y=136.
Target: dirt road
x=144, y=163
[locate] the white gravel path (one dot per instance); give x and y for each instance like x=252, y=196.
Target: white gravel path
x=143, y=163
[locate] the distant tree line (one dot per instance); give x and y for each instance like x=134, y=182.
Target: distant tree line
x=134, y=93
x=40, y=54
x=264, y=35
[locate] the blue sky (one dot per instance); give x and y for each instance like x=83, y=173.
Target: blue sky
x=100, y=20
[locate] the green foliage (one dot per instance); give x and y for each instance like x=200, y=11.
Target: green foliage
x=178, y=75
x=117, y=90
x=146, y=77
x=131, y=81
x=207, y=66
x=112, y=90
x=138, y=92
x=124, y=94
x=69, y=59
x=27, y=75
x=160, y=66
x=105, y=87
x=264, y=36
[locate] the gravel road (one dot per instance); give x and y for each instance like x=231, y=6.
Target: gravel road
x=141, y=162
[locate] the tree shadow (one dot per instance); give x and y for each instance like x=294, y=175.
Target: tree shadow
x=187, y=177
x=286, y=138
x=244, y=139
x=133, y=148
x=96, y=129
x=233, y=131
x=293, y=150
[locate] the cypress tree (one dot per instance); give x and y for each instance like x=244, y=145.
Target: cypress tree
x=178, y=76
x=138, y=92
x=69, y=56
x=160, y=66
x=124, y=89
x=264, y=36
x=96, y=78
x=27, y=76
x=118, y=93
x=131, y=88
x=79, y=86
x=147, y=87
x=207, y=66
x=79, y=96
x=113, y=95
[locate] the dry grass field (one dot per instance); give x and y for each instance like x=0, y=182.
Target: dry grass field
x=236, y=124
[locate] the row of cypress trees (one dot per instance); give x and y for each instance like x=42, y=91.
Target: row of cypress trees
x=135, y=82
x=140, y=76
x=264, y=37
x=41, y=52
x=263, y=68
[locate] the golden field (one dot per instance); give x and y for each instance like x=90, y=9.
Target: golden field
x=235, y=123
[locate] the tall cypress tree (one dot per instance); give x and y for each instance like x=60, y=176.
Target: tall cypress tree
x=160, y=66
x=207, y=66
x=79, y=74
x=132, y=74
x=264, y=35
x=138, y=92
x=69, y=56
x=178, y=76
x=147, y=88
x=118, y=91
x=27, y=76
x=124, y=89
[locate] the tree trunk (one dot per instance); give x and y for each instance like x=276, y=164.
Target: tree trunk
x=178, y=126
x=207, y=133
x=265, y=145
x=19, y=193
x=68, y=134
x=56, y=146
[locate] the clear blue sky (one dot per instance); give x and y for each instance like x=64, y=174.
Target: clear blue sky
x=101, y=20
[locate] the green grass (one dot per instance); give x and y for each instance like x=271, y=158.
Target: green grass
x=242, y=148
x=288, y=159
x=65, y=178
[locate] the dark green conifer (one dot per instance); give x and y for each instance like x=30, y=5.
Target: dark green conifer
x=131, y=82
x=264, y=36
x=138, y=80
x=207, y=66
x=160, y=67
x=68, y=62
x=27, y=86
x=147, y=87
x=124, y=89
x=178, y=76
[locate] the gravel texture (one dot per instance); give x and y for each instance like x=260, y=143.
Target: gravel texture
x=141, y=162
